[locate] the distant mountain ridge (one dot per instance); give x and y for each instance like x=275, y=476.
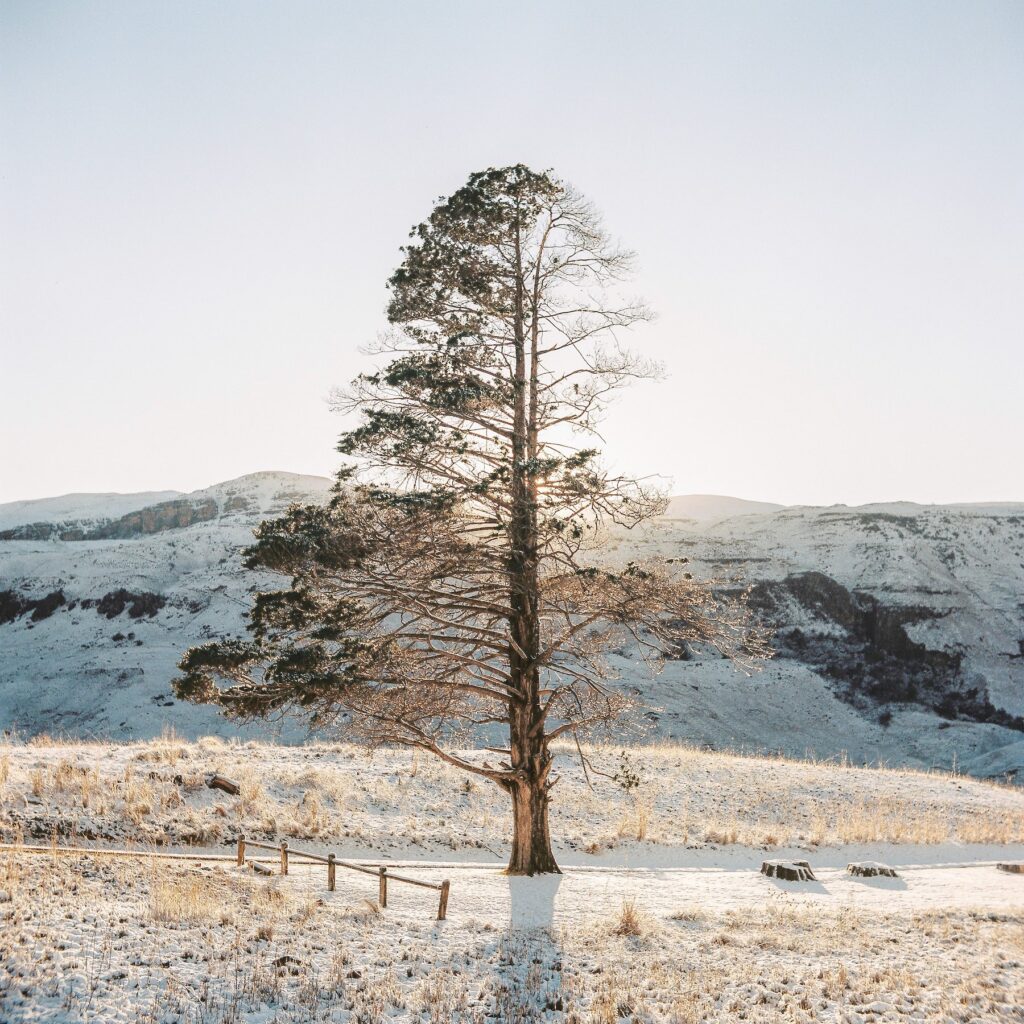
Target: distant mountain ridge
x=75, y=508
x=715, y=506
x=899, y=627
x=119, y=516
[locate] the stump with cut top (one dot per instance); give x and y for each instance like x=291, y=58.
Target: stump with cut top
x=788, y=870
x=871, y=869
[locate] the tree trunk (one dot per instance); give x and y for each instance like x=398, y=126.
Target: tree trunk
x=531, y=839
x=531, y=761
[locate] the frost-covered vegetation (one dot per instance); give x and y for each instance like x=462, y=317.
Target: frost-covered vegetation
x=101, y=940
x=661, y=915
x=414, y=805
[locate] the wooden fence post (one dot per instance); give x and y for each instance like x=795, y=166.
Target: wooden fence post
x=442, y=906
x=241, y=850
x=383, y=894
x=330, y=872
x=284, y=857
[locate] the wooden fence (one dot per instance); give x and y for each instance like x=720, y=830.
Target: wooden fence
x=382, y=874
x=285, y=854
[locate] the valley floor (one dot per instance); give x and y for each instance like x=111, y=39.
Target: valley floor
x=674, y=926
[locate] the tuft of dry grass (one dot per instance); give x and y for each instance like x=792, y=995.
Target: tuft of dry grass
x=188, y=899
x=311, y=817
x=364, y=910
x=688, y=915
x=190, y=896
x=169, y=749
x=631, y=921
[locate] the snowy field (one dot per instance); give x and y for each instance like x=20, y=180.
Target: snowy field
x=660, y=915
x=108, y=940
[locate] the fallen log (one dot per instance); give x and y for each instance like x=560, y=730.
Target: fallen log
x=788, y=870
x=1013, y=867
x=219, y=782
x=260, y=869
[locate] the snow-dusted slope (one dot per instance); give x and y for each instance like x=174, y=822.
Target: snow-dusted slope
x=98, y=667
x=956, y=574
x=714, y=506
x=883, y=614
x=71, y=508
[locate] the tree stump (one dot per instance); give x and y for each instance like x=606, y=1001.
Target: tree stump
x=871, y=869
x=1014, y=867
x=788, y=870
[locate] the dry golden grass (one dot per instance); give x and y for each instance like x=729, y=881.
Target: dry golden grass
x=188, y=899
x=771, y=963
x=310, y=817
x=169, y=749
x=156, y=792
x=630, y=920
x=689, y=914
x=364, y=910
x=766, y=802
x=191, y=896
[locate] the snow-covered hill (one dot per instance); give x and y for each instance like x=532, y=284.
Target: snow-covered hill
x=900, y=628
x=78, y=508
x=96, y=657
x=714, y=506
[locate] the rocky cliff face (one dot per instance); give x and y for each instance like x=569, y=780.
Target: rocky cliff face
x=863, y=645
x=899, y=629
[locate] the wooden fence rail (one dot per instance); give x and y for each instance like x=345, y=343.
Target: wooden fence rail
x=286, y=854
x=99, y=851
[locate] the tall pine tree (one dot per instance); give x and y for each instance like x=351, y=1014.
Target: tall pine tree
x=447, y=583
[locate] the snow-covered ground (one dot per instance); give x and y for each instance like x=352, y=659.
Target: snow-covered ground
x=676, y=926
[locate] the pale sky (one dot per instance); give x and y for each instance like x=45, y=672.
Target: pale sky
x=200, y=204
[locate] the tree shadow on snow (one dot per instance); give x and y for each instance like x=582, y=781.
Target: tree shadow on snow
x=532, y=900
x=797, y=887
x=881, y=882
x=529, y=954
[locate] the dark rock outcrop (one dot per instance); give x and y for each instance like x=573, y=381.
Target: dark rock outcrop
x=14, y=606
x=166, y=515
x=870, y=656
x=30, y=531
x=138, y=605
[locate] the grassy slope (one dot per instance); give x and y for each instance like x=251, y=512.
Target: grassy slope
x=399, y=804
